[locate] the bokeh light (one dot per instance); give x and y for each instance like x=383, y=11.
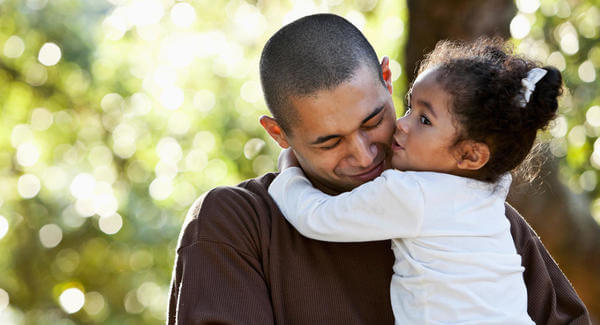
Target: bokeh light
x=49, y=54
x=110, y=225
x=28, y=186
x=116, y=123
x=72, y=300
x=14, y=47
x=183, y=14
x=50, y=235
x=4, y=300
x=3, y=227
x=520, y=26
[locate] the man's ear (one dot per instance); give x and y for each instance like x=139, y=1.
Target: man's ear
x=472, y=155
x=387, y=73
x=274, y=130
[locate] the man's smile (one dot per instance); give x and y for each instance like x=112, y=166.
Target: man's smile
x=370, y=173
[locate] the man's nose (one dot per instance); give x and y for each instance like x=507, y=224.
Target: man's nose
x=363, y=151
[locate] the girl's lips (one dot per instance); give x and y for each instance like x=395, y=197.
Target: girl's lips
x=370, y=174
x=396, y=145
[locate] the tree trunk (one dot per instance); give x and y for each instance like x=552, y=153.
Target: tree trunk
x=560, y=217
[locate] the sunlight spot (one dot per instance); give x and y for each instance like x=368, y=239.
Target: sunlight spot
x=166, y=169
x=183, y=14
x=251, y=91
x=253, y=147
x=115, y=25
x=357, y=19
x=559, y=127
x=394, y=28
x=168, y=149
x=577, y=136
x=588, y=180
x=557, y=60
x=28, y=186
x=49, y=54
x=83, y=186
x=110, y=225
x=558, y=147
x=145, y=12
x=72, y=300
x=3, y=231
x=172, y=98
x=94, y=303
x=36, y=74
x=4, y=300
x=14, y=47
x=27, y=154
x=205, y=141
x=528, y=6
x=179, y=123
x=110, y=102
x=204, y=100
x=520, y=26
x=592, y=116
x=20, y=133
x=249, y=22
x=396, y=69
x=567, y=37
x=587, y=71
x=41, y=119
x=50, y=235
x=54, y=178
x=161, y=188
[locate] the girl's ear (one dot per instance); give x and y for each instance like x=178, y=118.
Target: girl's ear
x=472, y=155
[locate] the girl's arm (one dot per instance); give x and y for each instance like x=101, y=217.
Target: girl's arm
x=390, y=206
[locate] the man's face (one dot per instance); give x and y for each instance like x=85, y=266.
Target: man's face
x=343, y=135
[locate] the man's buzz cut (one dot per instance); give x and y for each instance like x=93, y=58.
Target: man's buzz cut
x=313, y=53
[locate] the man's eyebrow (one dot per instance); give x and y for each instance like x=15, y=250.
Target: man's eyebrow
x=428, y=106
x=375, y=112
x=329, y=137
x=325, y=138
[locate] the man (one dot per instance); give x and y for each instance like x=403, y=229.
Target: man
x=240, y=262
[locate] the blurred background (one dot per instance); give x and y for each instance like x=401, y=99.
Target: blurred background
x=116, y=114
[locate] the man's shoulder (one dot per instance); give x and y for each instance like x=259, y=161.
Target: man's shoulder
x=225, y=213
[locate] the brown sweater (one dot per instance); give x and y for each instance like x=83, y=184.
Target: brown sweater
x=240, y=262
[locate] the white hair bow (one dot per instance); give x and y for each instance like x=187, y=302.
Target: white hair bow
x=533, y=77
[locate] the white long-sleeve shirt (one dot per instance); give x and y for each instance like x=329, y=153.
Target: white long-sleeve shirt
x=456, y=262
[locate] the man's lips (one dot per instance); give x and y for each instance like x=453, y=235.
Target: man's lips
x=370, y=174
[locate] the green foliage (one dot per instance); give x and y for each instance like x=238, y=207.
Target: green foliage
x=565, y=34
x=115, y=116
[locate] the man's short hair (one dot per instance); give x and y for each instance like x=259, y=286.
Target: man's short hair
x=313, y=53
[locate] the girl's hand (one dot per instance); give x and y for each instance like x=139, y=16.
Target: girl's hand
x=287, y=159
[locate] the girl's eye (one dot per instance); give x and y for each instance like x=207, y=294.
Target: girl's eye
x=425, y=120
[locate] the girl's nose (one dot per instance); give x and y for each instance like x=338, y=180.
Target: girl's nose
x=402, y=124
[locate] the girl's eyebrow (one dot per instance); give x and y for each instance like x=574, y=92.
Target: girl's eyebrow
x=428, y=106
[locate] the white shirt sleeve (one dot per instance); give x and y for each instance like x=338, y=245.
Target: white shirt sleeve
x=390, y=206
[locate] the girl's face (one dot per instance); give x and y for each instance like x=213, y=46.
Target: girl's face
x=426, y=134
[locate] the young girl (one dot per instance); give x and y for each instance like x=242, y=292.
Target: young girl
x=474, y=111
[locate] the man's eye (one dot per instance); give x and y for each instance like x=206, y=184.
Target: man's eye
x=425, y=120
x=331, y=146
x=372, y=126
